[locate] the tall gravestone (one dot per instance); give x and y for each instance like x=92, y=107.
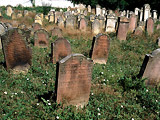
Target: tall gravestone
x=16, y=52
x=150, y=68
x=96, y=26
x=69, y=23
x=9, y=10
x=61, y=22
x=83, y=24
x=41, y=38
x=146, y=11
x=60, y=49
x=123, y=29
x=98, y=10
x=150, y=26
x=111, y=23
x=132, y=23
x=100, y=50
x=74, y=80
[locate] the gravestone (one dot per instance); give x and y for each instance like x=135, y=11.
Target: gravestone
x=51, y=18
x=92, y=18
x=61, y=22
x=3, y=28
x=102, y=22
x=136, y=11
x=98, y=10
x=155, y=14
x=96, y=26
x=101, y=49
x=141, y=14
x=83, y=24
x=150, y=26
x=56, y=32
x=13, y=16
x=74, y=80
x=150, y=68
x=36, y=26
x=16, y=52
x=41, y=38
x=0, y=43
x=138, y=31
x=123, y=28
x=132, y=23
x=111, y=23
x=60, y=49
x=22, y=26
x=69, y=23
x=158, y=27
x=57, y=15
x=38, y=19
x=9, y=10
x=146, y=11
x=89, y=8
x=26, y=13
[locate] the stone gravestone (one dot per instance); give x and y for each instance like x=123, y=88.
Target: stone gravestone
x=0, y=43
x=96, y=26
x=111, y=23
x=138, y=31
x=61, y=22
x=38, y=19
x=100, y=49
x=14, y=16
x=36, y=26
x=70, y=23
x=123, y=28
x=60, y=49
x=83, y=24
x=16, y=52
x=74, y=80
x=9, y=10
x=56, y=32
x=3, y=28
x=41, y=38
x=150, y=26
x=150, y=68
x=146, y=11
x=132, y=23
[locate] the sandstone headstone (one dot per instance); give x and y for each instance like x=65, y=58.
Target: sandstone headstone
x=13, y=16
x=102, y=22
x=61, y=22
x=36, y=26
x=83, y=24
x=57, y=15
x=111, y=23
x=150, y=26
x=74, y=80
x=38, y=19
x=69, y=23
x=138, y=31
x=151, y=67
x=17, y=54
x=60, y=49
x=100, y=49
x=132, y=23
x=89, y=8
x=56, y=32
x=123, y=29
x=41, y=38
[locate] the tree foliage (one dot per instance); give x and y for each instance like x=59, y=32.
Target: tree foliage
x=121, y=4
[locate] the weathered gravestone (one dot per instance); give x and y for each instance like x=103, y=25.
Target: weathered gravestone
x=158, y=27
x=70, y=23
x=100, y=49
x=9, y=10
x=150, y=26
x=96, y=26
x=56, y=32
x=61, y=22
x=36, y=26
x=132, y=23
x=41, y=38
x=3, y=28
x=16, y=52
x=74, y=80
x=150, y=68
x=123, y=29
x=138, y=31
x=60, y=49
x=111, y=23
x=83, y=24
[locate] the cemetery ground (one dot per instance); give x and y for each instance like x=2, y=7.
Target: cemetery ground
x=116, y=91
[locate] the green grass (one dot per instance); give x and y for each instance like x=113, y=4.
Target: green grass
x=116, y=91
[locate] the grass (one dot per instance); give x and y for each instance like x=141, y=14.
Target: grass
x=116, y=92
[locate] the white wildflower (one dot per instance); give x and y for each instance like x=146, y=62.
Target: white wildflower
x=104, y=80
x=15, y=93
x=132, y=118
x=121, y=106
x=46, y=72
x=27, y=78
x=37, y=104
x=146, y=90
x=57, y=117
x=99, y=114
x=47, y=100
x=102, y=73
x=104, y=83
x=98, y=109
x=156, y=100
x=92, y=93
x=5, y=92
x=49, y=103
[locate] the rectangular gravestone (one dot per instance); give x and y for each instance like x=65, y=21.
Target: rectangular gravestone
x=74, y=80
x=16, y=52
x=100, y=49
x=60, y=49
x=41, y=38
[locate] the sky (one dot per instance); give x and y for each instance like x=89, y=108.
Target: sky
x=53, y=3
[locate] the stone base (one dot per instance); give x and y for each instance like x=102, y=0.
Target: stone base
x=102, y=61
x=21, y=69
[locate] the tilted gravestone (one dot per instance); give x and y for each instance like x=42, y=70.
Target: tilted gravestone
x=100, y=49
x=123, y=28
x=41, y=38
x=74, y=80
x=56, y=32
x=150, y=26
x=150, y=68
x=60, y=49
x=16, y=52
x=96, y=26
